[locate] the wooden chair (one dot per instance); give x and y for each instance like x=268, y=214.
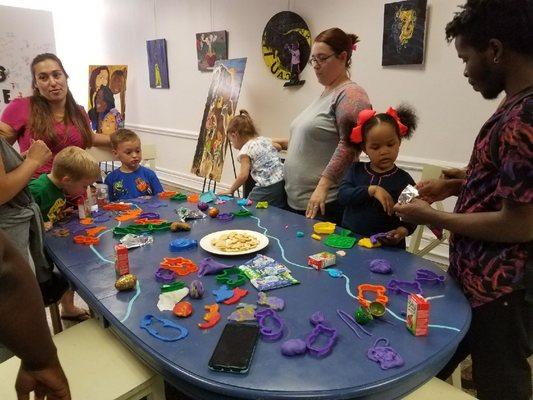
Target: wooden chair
x=97, y=366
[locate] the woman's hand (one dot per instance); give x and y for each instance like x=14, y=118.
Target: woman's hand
x=453, y=173
x=38, y=153
x=438, y=189
x=383, y=197
x=317, y=202
x=395, y=236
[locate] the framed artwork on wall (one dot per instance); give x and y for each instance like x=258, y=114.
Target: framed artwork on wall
x=157, y=63
x=404, y=30
x=211, y=47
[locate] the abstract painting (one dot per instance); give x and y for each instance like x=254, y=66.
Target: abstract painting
x=107, y=92
x=404, y=32
x=211, y=47
x=157, y=63
x=220, y=107
x=286, y=45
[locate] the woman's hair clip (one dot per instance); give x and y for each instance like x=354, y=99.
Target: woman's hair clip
x=354, y=46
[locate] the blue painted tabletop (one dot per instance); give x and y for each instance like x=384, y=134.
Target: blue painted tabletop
x=345, y=374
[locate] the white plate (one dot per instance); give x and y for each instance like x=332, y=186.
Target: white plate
x=205, y=242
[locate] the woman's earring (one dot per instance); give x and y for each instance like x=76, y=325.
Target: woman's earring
x=496, y=60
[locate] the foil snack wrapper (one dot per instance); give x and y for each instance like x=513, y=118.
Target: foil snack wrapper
x=130, y=240
x=408, y=194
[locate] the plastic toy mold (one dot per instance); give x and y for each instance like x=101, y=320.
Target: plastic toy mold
x=147, y=324
x=86, y=240
x=386, y=356
x=232, y=277
x=209, y=266
x=179, y=265
x=324, y=350
x=164, y=275
x=270, y=333
x=404, y=287
x=242, y=213
x=211, y=317
x=377, y=289
x=426, y=275
x=340, y=242
x=182, y=244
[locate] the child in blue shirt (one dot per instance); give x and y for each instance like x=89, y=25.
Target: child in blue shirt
x=370, y=190
x=131, y=180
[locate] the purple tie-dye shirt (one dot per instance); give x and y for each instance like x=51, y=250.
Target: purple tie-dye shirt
x=487, y=270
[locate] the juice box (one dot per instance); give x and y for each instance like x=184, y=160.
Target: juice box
x=417, y=319
x=122, y=264
x=321, y=260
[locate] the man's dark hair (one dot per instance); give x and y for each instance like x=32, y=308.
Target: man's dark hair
x=509, y=21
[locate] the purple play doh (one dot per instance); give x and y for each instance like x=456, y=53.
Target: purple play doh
x=318, y=318
x=293, y=347
x=375, y=238
x=269, y=333
x=209, y=266
x=163, y=275
x=321, y=329
x=404, y=287
x=386, y=356
x=380, y=266
x=196, y=289
x=202, y=206
x=225, y=217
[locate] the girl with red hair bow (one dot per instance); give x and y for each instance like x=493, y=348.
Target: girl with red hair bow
x=370, y=190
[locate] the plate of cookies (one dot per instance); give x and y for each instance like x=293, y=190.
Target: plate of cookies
x=233, y=242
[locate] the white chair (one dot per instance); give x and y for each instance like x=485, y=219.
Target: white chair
x=104, y=155
x=428, y=172
x=97, y=366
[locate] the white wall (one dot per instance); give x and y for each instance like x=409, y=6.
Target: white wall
x=115, y=31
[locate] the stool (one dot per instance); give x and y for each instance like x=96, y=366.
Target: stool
x=435, y=389
x=97, y=365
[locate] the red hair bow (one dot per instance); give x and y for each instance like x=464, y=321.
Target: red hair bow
x=357, y=132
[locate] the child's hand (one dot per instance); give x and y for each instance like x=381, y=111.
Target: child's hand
x=383, y=197
x=47, y=226
x=39, y=152
x=395, y=236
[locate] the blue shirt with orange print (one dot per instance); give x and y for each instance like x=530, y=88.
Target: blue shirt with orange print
x=129, y=185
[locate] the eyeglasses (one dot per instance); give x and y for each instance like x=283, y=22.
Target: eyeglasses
x=319, y=60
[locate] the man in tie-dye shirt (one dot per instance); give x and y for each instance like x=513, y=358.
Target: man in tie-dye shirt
x=492, y=224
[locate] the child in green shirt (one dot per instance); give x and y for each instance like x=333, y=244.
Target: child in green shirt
x=73, y=170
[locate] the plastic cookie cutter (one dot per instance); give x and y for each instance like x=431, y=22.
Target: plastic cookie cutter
x=95, y=231
x=182, y=244
x=426, y=275
x=352, y=323
x=243, y=212
x=272, y=331
x=86, y=221
x=244, y=202
x=404, y=287
x=262, y=204
x=172, y=287
x=179, y=197
x=325, y=349
x=211, y=317
x=208, y=197
x=209, y=266
x=225, y=217
x=128, y=215
x=379, y=290
x=385, y=355
x=339, y=241
x=238, y=294
x=147, y=324
x=60, y=232
x=164, y=275
x=166, y=194
x=222, y=293
x=117, y=206
x=86, y=240
x=101, y=218
x=149, y=215
x=324, y=228
x=179, y=265
x=232, y=277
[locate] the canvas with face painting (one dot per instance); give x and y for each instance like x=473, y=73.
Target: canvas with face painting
x=404, y=32
x=107, y=89
x=210, y=47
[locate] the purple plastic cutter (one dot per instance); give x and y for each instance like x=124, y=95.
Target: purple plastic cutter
x=225, y=217
x=270, y=334
x=386, y=356
x=321, y=329
x=404, y=287
x=149, y=215
x=426, y=275
x=352, y=323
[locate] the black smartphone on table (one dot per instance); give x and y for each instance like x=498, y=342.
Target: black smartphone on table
x=235, y=348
